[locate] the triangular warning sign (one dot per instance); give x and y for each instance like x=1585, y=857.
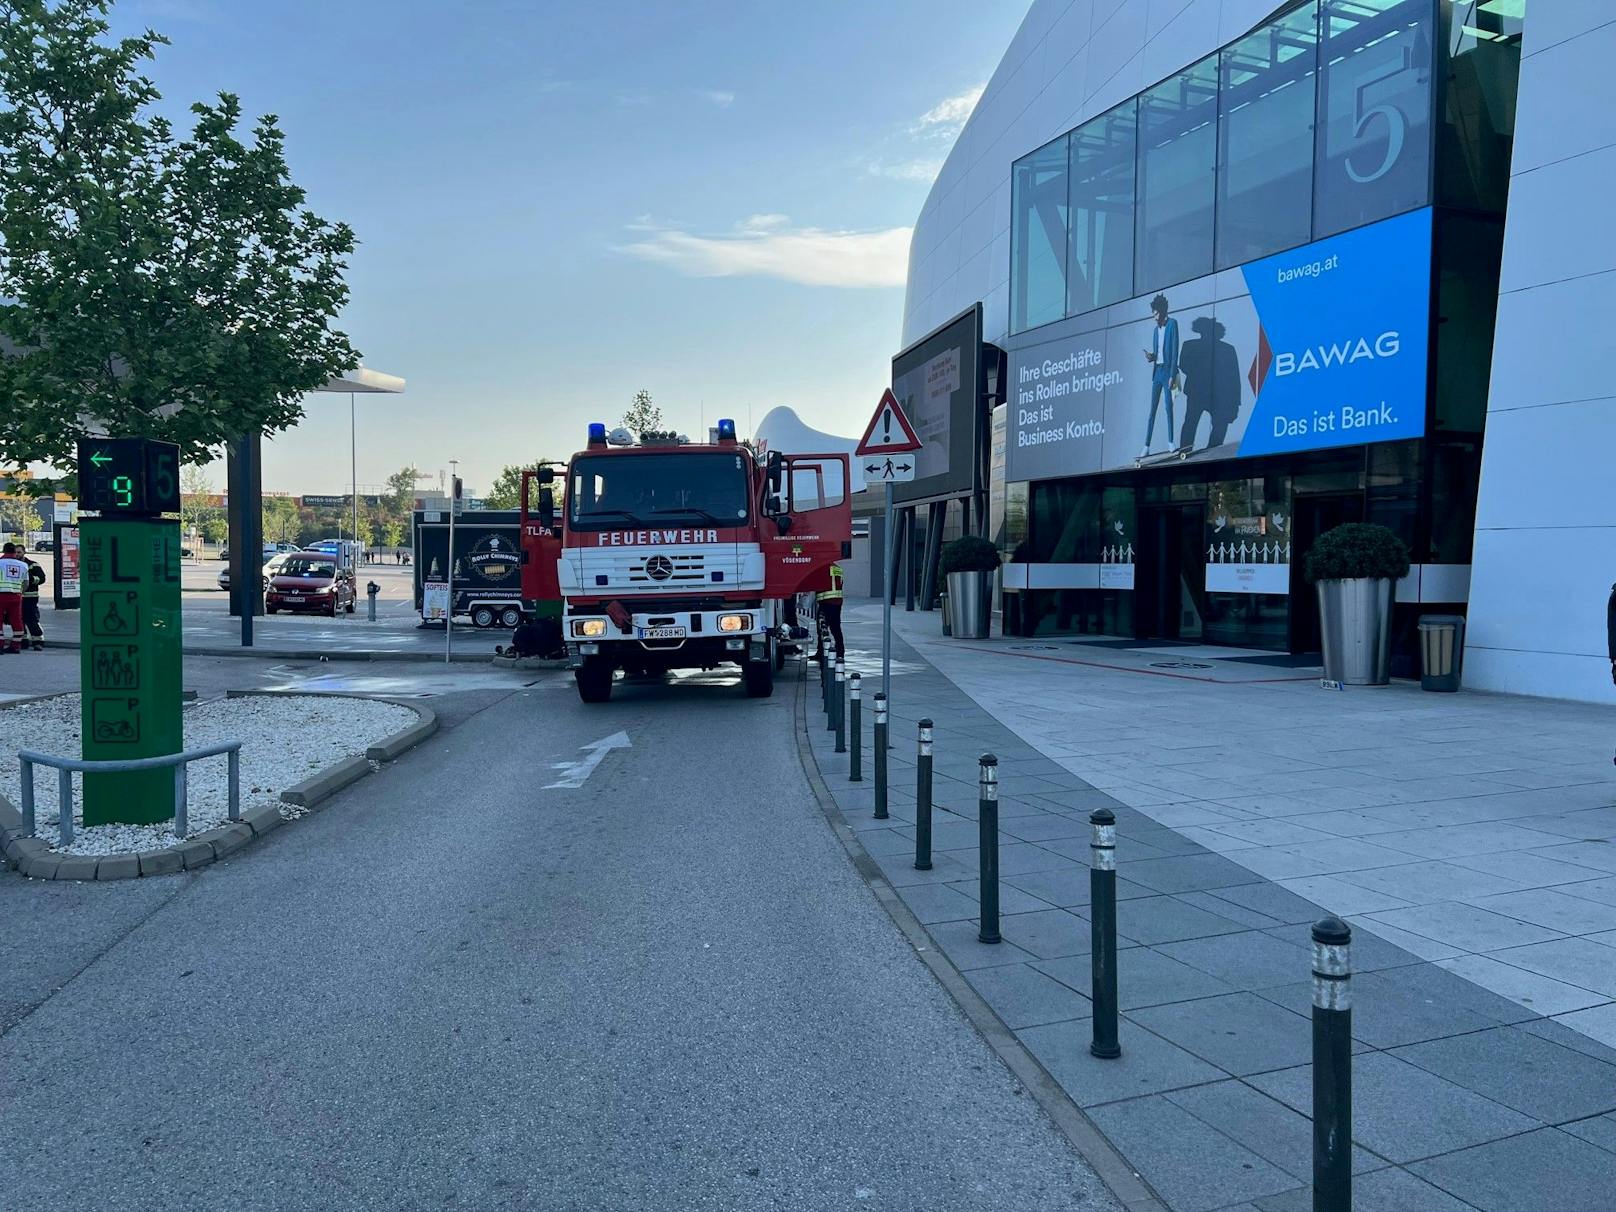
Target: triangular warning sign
x=889, y=430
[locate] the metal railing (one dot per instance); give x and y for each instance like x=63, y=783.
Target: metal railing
x=65, y=767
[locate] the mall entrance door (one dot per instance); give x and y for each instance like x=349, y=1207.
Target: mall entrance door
x=1170, y=572
x=1312, y=515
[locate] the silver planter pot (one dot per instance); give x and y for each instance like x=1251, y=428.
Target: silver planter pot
x=970, y=604
x=1356, y=618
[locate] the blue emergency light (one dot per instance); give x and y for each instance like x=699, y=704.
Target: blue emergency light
x=597, y=433
x=726, y=430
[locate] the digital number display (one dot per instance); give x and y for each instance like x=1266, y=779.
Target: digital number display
x=129, y=476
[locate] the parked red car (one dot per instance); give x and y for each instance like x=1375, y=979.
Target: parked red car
x=312, y=582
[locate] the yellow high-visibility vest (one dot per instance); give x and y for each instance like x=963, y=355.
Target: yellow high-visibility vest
x=835, y=590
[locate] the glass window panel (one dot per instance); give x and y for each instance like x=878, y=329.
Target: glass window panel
x=1265, y=171
x=1178, y=147
x=1374, y=136
x=1483, y=71
x=1102, y=177
x=1038, y=207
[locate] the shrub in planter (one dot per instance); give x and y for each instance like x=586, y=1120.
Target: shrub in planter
x=968, y=554
x=1354, y=551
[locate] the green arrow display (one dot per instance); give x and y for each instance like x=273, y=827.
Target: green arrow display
x=99, y=458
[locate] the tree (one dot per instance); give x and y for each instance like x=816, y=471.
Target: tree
x=642, y=415
x=393, y=533
x=506, y=492
x=196, y=493
x=401, y=491
x=18, y=516
x=281, y=523
x=150, y=284
x=215, y=529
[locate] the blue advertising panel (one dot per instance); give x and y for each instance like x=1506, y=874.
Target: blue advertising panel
x=1321, y=346
x=1341, y=339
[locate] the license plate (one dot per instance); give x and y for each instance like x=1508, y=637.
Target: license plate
x=662, y=633
x=292, y=597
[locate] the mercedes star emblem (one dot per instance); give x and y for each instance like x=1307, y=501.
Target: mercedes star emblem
x=659, y=568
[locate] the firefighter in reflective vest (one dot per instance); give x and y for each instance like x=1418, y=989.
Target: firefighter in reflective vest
x=830, y=611
x=30, y=603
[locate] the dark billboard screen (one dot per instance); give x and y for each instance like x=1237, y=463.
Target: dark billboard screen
x=938, y=382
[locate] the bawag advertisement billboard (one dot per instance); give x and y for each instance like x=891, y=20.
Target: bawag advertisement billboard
x=1321, y=346
x=938, y=384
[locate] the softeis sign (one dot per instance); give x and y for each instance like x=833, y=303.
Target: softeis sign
x=129, y=477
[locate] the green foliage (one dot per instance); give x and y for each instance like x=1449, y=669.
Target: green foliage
x=281, y=521
x=506, y=492
x=401, y=491
x=18, y=515
x=215, y=529
x=393, y=532
x=968, y=553
x=642, y=415
x=1357, y=550
x=161, y=285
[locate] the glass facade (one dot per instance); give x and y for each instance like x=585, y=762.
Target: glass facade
x=1265, y=133
x=1178, y=152
x=1100, y=250
x=1038, y=236
x=1319, y=121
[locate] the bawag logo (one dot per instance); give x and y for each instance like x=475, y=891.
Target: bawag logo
x=1340, y=353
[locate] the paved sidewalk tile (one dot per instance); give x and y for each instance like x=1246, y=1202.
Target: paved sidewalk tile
x=1048, y=934
x=1175, y=1148
x=1409, y=1005
x=1599, y=1022
x=1555, y=910
x=1249, y=960
x=1144, y=978
x=1264, y=1125
x=1535, y=992
x=1525, y=1072
x=1546, y=1169
x=1389, y=1190
x=1466, y=926
x=1188, y=873
x=932, y=903
x=1148, y=1064
x=1402, y=1112
x=1241, y=1033
x=1025, y=997
x=1599, y=1130
x=1575, y=961
x=1167, y=919
x=960, y=942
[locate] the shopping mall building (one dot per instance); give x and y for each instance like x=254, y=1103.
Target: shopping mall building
x=1242, y=271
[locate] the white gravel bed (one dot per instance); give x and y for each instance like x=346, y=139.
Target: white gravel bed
x=284, y=740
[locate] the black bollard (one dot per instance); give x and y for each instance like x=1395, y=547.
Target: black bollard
x=1332, y=1065
x=824, y=680
x=881, y=757
x=834, y=702
x=855, y=761
x=987, y=827
x=1103, y=932
x=923, y=799
x=841, y=707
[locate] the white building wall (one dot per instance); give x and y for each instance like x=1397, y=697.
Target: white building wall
x=1545, y=553
x=1070, y=60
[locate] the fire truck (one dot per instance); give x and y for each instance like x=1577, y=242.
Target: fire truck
x=674, y=555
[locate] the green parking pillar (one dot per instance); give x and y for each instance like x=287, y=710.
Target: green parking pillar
x=130, y=667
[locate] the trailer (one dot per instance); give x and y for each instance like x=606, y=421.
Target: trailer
x=487, y=570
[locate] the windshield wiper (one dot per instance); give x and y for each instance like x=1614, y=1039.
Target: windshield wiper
x=593, y=514
x=703, y=514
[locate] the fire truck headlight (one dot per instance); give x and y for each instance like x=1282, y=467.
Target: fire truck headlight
x=588, y=628
x=735, y=622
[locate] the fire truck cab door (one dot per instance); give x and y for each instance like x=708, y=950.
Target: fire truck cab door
x=813, y=500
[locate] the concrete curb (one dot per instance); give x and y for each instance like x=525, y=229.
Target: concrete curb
x=1123, y=1181
x=319, y=654
x=385, y=750
x=34, y=858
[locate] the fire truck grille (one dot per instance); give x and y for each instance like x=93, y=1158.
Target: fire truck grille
x=669, y=568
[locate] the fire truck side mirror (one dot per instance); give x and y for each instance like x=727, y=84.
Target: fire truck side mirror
x=547, y=508
x=546, y=475
x=777, y=469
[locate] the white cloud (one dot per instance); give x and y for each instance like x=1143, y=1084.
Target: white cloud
x=947, y=117
x=768, y=246
x=718, y=96
x=922, y=170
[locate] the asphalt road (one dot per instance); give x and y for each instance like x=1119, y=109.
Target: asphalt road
x=454, y=988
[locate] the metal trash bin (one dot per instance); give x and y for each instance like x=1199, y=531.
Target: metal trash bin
x=942, y=601
x=1441, y=651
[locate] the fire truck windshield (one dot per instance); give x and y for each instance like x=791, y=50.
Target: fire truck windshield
x=608, y=492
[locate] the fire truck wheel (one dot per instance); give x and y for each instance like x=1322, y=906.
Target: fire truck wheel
x=594, y=682
x=758, y=677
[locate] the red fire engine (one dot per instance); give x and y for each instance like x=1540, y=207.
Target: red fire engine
x=675, y=555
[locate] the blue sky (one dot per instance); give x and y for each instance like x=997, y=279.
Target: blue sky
x=561, y=203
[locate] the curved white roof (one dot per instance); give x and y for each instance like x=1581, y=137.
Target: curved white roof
x=783, y=430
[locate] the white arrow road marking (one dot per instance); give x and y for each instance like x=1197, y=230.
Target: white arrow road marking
x=577, y=772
